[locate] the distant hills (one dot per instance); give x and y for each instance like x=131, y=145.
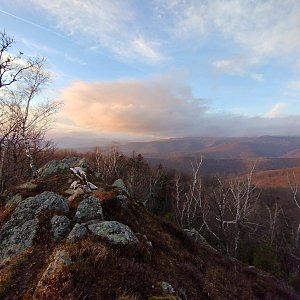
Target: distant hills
x=222, y=155
x=219, y=148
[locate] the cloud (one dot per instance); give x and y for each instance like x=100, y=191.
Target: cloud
x=255, y=30
x=238, y=66
x=259, y=30
x=161, y=107
x=276, y=110
x=110, y=24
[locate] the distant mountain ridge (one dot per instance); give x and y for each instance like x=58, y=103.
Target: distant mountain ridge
x=219, y=148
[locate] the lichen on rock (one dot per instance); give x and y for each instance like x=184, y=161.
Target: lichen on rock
x=59, y=226
x=18, y=233
x=89, y=209
x=120, y=185
x=15, y=239
x=57, y=166
x=78, y=232
x=115, y=232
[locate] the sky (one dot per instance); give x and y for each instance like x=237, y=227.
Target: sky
x=142, y=69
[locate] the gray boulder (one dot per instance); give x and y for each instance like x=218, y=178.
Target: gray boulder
x=59, y=226
x=33, y=206
x=57, y=166
x=78, y=232
x=17, y=239
x=115, y=232
x=89, y=209
x=195, y=235
x=119, y=184
x=18, y=233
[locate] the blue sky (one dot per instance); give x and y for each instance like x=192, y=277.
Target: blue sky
x=165, y=68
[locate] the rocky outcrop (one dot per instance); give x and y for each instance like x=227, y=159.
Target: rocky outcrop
x=115, y=232
x=16, y=239
x=57, y=166
x=59, y=226
x=18, y=233
x=89, y=209
x=78, y=232
x=33, y=206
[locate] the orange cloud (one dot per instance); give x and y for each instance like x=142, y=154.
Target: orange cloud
x=157, y=108
x=160, y=107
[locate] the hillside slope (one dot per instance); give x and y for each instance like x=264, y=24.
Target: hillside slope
x=104, y=245
x=276, y=178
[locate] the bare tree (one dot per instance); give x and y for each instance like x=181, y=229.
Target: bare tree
x=188, y=197
x=11, y=66
x=218, y=204
x=34, y=120
x=244, y=196
x=154, y=181
x=109, y=164
x=294, y=188
x=274, y=212
x=21, y=120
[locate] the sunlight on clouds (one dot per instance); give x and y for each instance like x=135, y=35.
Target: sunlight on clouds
x=276, y=110
x=160, y=106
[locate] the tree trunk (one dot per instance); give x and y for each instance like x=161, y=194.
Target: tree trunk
x=30, y=157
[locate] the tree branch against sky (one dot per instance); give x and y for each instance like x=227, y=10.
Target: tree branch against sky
x=21, y=119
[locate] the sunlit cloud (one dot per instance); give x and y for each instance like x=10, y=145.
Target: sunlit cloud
x=162, y=107
x=276, y=110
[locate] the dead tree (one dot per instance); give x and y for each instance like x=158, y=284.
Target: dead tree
x=20, y=82
x=188, y=197
x=294, y=188
x=11, y=66
x=244, y=196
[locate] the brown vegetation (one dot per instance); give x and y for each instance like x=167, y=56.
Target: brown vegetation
x=104, y=271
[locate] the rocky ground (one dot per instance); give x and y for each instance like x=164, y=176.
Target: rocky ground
x=58, y=242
